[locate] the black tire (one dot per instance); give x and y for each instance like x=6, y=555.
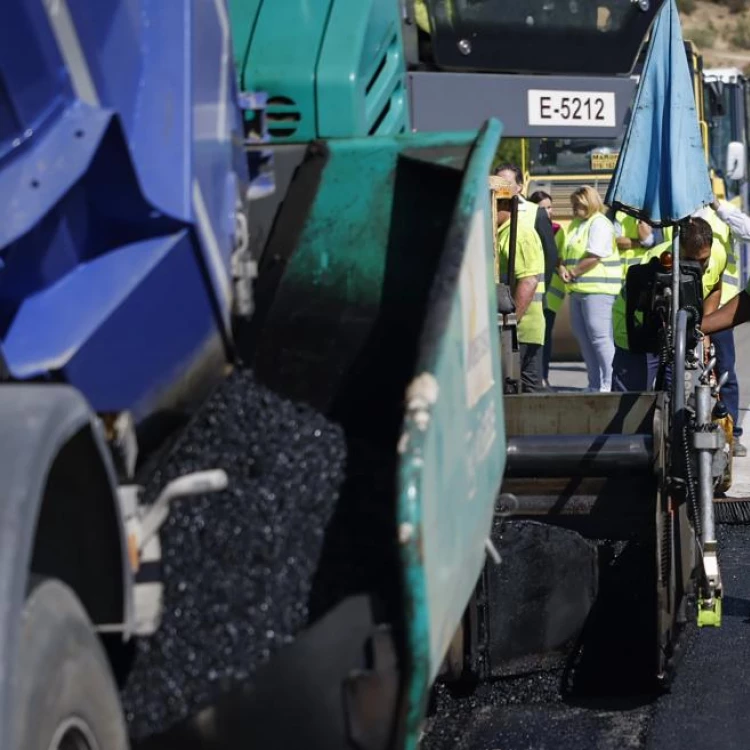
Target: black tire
x=65, y=696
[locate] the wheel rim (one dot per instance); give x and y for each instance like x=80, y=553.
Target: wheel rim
x=73, y=734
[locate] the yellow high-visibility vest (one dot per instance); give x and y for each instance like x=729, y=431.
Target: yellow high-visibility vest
x=634, y=255
x=711, y=276
x=730, y=280
x=606, y=276
x=555, y=294
x=529, y=262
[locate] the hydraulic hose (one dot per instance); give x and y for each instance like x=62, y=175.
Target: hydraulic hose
x=695, y=506
x=680, y=352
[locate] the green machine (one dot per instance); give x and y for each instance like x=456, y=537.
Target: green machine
x=374, y=303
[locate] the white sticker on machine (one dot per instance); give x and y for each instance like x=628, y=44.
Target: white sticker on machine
x=475, y=312
x=584, y=109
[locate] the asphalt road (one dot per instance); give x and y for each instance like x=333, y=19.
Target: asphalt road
x=706, y=706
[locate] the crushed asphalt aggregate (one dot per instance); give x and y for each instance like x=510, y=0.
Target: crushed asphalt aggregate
x=238, y=566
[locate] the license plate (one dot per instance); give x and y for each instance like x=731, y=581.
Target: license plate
x=603, y=162
x=594, y=109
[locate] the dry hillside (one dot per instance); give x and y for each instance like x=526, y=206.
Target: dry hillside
x=720, y=29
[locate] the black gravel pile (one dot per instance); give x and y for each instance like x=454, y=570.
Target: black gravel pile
x=238, y=566
x=552, y=726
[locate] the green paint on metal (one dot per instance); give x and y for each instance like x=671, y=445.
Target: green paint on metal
x=242, y=17
x=362, y=84
x=282, y=60
x=391, y=284
x=344, y=247
x=331, y=68
x=453, y=443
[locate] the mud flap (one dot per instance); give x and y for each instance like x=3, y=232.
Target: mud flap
x=530, y=610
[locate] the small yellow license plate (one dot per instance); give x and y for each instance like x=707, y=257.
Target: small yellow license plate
x=601, y=162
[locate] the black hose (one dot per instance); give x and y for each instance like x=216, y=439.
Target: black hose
x=690, y=478
x=664, y=347
x=680, y=353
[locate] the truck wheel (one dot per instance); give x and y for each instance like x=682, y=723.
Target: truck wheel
x=65, y=697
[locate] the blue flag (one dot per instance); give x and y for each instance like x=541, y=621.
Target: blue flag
x=661, y=174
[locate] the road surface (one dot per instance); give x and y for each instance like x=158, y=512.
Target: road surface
x=707, y=706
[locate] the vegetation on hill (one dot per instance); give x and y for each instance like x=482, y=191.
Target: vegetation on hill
x=688, y=6
x=720, y=29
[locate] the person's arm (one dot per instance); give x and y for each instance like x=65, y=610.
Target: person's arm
x=645, y=235
x=710, y=305
x=734, y=313
x=623, y=242
x=584, y=265
x=524, y=294
x=738, y=222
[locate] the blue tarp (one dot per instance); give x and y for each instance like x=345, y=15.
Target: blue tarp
x=662, y=174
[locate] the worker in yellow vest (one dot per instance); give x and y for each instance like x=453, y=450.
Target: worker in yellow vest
x=527, y=287
x=728, y=223
x=636, y=371
x=555, y=291
x=591, y=268
x=634, y=238
x=531, y=215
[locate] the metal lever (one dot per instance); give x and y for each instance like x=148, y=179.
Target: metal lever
x=707, y=370
x=198, y=483
x=720, y=384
